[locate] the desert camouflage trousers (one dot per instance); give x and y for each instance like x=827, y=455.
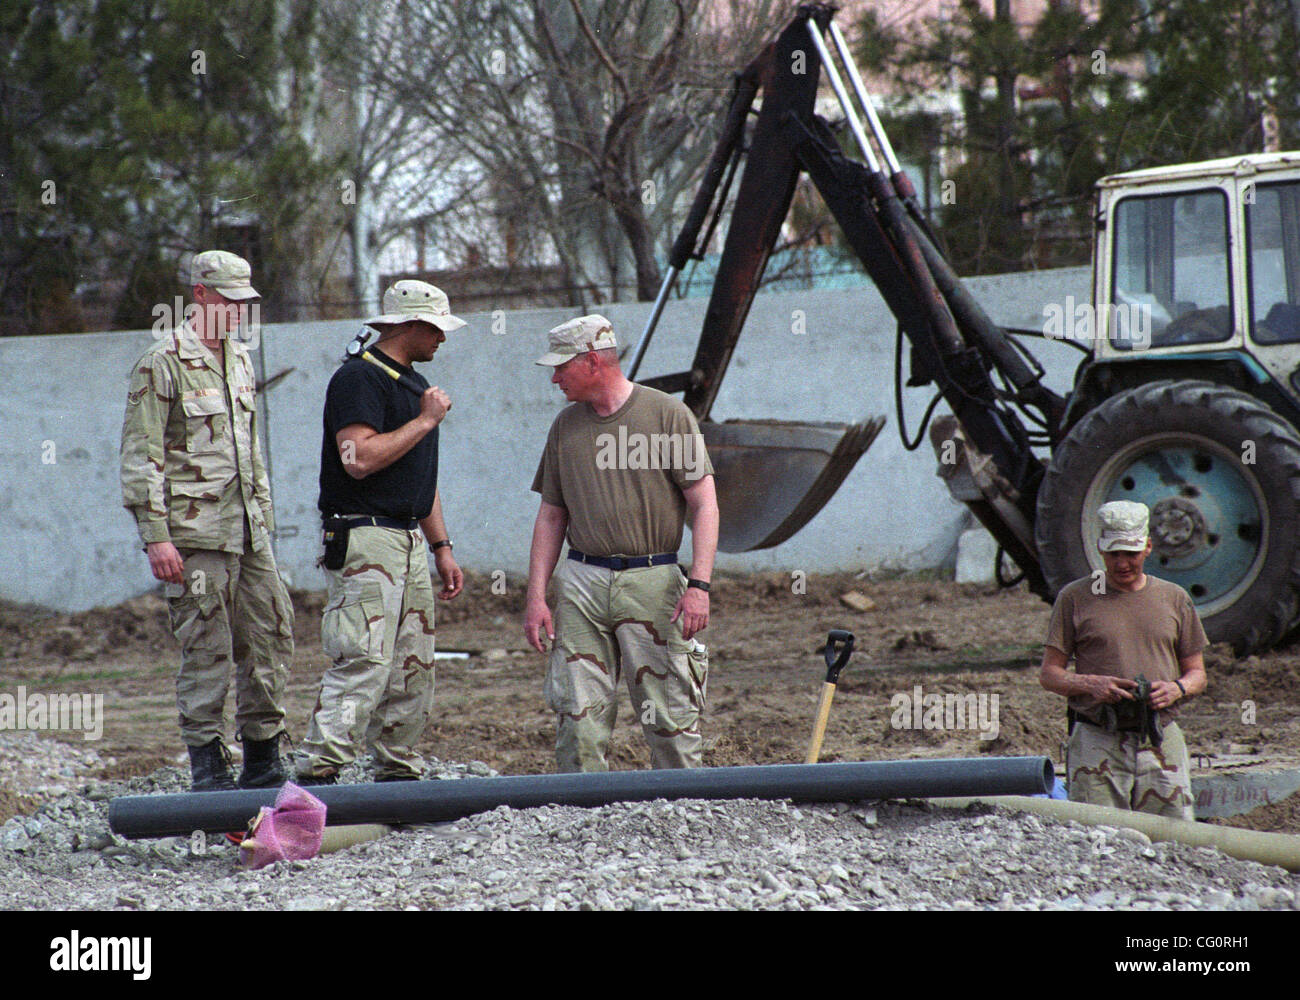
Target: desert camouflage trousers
x=377, y=631
x=1124, y=771
x=233, y=610
x=617, y=622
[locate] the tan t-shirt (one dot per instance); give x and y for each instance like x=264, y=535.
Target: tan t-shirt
x=621, y=477
x=1125, y=633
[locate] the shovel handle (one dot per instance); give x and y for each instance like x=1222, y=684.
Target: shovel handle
x=839, y=647
x=401, y=378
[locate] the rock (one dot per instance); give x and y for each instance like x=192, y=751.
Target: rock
x=14, y=838
x=496, y=655
x=312, y=902
x=521, y=896
x=770, y=881
x=1269, y=898
x=857, y=601
x=1133, y=836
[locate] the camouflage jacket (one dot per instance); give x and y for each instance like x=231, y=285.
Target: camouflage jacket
x=191, y=464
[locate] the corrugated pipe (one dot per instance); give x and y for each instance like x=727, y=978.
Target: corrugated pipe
x=1249, y=845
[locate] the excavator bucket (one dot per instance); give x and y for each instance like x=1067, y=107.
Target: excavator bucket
x=773, y=476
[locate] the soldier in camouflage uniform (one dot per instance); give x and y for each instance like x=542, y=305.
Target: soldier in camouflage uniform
x=194, y=478
x=624, y=468
x=380, y=501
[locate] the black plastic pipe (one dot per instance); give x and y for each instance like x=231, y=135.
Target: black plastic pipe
x=441, y=801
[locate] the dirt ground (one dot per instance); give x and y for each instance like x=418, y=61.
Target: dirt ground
x=766, y=674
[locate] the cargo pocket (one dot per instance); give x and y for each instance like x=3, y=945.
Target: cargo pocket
x=690, y=665
x=698, y=662
x=560, y=687
x=205, y=422
x=244, y=412
x=352, y=626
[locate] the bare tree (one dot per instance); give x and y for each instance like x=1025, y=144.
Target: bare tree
x=565, y=129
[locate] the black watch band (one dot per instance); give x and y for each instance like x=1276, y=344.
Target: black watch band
x=1180, y=687
x=444, y=544
x=698, y=585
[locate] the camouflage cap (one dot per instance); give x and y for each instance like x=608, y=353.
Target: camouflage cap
x=1123, y=526
x=224, y=272
x=568, y=340
x=409, y=300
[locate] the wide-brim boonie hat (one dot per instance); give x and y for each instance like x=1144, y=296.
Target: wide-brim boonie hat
x=409, y=300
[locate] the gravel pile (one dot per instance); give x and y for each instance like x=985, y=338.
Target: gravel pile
x=654, y=855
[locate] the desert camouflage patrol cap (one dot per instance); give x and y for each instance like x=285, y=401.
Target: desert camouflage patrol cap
x=224, y=272
x=568, y=340
x=408, y=300
x=1123, y=526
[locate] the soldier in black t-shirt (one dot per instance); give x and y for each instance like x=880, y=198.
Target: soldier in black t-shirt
x=379, y=500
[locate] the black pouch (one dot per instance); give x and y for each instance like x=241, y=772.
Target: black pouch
x=335, y=537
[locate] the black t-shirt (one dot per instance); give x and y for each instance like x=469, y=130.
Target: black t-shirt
x=359, y=393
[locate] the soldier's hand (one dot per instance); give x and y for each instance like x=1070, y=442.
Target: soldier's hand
x=1110, y=689
x=434, y=405
x=165, y=562
x=537, y=617
x=1163, y=694
x=453, y=580
x=693, y=610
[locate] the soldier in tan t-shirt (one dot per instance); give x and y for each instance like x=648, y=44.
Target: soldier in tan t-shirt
x=1116, y=628
x=624, y=468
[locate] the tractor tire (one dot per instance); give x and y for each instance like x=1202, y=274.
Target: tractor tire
x=1221, y=474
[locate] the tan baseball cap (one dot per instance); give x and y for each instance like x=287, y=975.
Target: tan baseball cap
x=1123, y=526
x=224, y=272
x=568, y=340
x=409, y=300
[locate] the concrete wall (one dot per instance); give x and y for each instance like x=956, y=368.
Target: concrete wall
x=66, y=542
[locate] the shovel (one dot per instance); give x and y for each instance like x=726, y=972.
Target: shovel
x=839, y=647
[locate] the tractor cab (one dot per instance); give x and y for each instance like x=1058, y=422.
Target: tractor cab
x=1202, y=261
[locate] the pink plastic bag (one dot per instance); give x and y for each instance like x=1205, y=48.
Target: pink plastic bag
x=291, y=831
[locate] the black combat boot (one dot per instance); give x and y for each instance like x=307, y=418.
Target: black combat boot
x=210, y=768
x=262, y=767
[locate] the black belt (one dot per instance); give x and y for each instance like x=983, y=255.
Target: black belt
x=380, y=522
x=619, y=562
x=1135, y=727
x=1119, y=728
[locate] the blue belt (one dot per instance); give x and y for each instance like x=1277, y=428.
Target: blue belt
x=619, y=562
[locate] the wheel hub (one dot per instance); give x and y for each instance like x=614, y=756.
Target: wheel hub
x=1178, y=527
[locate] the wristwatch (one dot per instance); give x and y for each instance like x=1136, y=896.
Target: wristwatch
x=1180, y=687
x=699, y=585
x=444, y=544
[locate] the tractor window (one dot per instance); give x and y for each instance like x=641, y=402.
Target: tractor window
x=1171, y=280
x=1273, y=232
